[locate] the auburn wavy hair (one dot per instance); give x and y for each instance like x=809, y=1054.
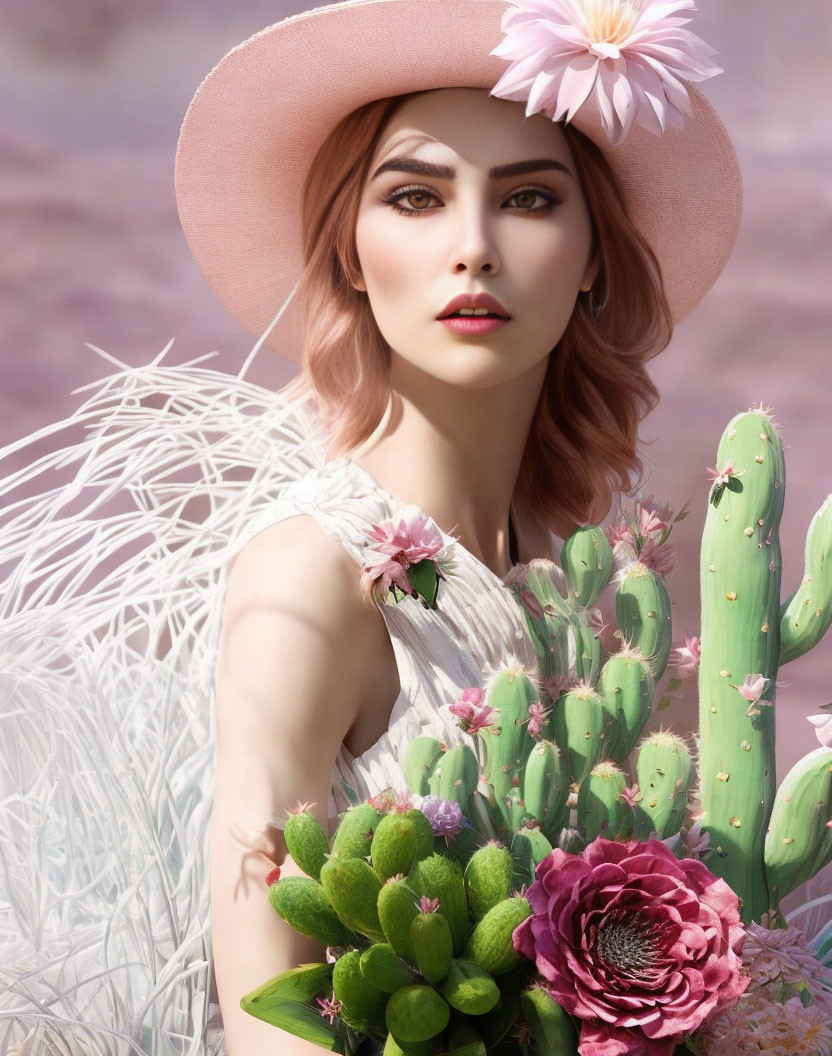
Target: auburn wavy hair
x=582, y=445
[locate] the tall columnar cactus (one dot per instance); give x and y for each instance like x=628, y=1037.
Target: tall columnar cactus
x=743, y=645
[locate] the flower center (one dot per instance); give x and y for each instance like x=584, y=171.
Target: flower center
x=627, y=945
x=610, y=21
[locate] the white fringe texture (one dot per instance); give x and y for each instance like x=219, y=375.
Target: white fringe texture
x=111, y=590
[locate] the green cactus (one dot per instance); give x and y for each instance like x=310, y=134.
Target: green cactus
x=303, y=904
x=430, y=934
x=416, y=1013
x=458, y=774
x=354, y=835
x=740, y=588
x=352, y=886
x=421, y=757
x=384, y=969
x=552, y=1028
x=579, y=721
x=469, y=988
x=442, y=878
x=798, y=842
x=363, y=1005
x=805, y=617
x=306, y=842
x=642, y=609
x=490, y=943
x=396, y=909
x=666, y=774
x=393, y=848
x=626, y=686
x=508, y=743
x=601, y=810
x=545, y=786
x=488, y=878
x=586, y=558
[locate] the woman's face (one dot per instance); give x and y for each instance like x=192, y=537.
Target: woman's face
x=437, y=222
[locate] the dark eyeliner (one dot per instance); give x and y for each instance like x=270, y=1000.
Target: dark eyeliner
x=394, y=198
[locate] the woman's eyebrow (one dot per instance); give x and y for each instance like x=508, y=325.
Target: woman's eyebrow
x=446, y=172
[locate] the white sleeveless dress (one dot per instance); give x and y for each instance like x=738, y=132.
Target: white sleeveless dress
x=477, y=626
x=115, y=546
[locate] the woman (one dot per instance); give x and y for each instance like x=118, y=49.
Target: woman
x=290, y=174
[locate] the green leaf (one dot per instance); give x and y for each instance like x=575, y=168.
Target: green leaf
x=734, y=484
x=286, y=1002
x=425, y=580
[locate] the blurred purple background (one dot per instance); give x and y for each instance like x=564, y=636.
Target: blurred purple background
x=94, y=93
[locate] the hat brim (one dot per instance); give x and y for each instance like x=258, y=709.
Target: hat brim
x=257, y=120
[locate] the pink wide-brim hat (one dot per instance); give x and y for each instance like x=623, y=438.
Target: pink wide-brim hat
x=257, y=120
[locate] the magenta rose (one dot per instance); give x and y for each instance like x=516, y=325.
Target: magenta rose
x=638, y=944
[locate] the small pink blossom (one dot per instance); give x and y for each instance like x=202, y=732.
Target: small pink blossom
x=658, y=556
x=537, y=716
x=722, y=476
x=631, y=795
x=751, y=689
x=823, y=728
x=397, y=544
x=685, y=658
x=694, y=841
x=473, y=714
x=330, y=1007
x=391, y=801
x=427, y=905
x=627, y=61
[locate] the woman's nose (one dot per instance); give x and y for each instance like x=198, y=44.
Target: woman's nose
x=473, y=245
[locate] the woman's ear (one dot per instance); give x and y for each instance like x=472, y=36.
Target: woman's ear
x=590, y=275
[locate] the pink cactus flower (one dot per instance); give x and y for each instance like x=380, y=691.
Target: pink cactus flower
x=685, y=658
x=639, y=945
x=751, y=689
x=472, y=713
x=628, y=59
x=398, y=544
x=427, y=905
x=631, y=795
x=695, y=841
x=648, y=520
x=537, y=716
x=330, y=1007
x=722, y=476
x=823, y=728
x=658, y=556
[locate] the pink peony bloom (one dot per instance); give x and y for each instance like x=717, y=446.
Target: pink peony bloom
x=759, y=1025
x=632, y=57
x=685, y=658
x=398, y=544
x=639, y=945
x=473, y=714
x=784, y=954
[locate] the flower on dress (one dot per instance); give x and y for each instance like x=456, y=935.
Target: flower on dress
x=632, y=55
x=473, y=713
x=403, y=556
x=639, y=945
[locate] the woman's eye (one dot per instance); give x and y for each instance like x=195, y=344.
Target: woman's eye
x=418, y=199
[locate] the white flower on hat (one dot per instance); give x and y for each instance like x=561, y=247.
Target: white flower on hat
x=631, y=53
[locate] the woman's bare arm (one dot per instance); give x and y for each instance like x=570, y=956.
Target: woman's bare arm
x=295, y=656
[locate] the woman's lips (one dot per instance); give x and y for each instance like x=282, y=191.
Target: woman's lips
x=473, y=324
